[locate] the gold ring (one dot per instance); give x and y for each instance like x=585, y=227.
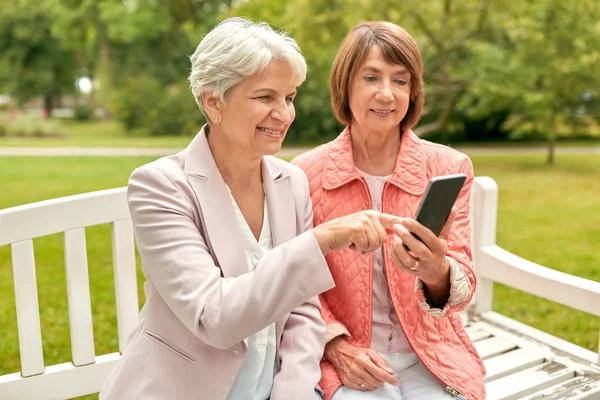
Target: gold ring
x=362, y=385
x=415, y=267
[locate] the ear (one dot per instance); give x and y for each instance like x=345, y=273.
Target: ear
x=212, y=105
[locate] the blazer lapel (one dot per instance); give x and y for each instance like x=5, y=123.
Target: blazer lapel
x=221, y=230
x=282, y=214
x=280, y=202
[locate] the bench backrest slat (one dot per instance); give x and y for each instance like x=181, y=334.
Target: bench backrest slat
x=60, y=215
x=28, y=314
x=78, y=294
x=126, y=293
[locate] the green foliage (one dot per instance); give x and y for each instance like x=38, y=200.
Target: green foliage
x=33, y=61
x=540, y=68
x=175, y=113
x=493, y=69
x=135, y=99
x=145, y=103
x=83, y=112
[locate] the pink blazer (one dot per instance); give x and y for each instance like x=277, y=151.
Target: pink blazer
x=201, y=301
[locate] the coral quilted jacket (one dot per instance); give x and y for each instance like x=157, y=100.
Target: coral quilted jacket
x=336, y=189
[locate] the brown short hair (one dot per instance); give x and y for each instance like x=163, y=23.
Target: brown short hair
x=397, y=47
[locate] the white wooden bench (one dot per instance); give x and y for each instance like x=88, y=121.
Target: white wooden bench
x=522, y=362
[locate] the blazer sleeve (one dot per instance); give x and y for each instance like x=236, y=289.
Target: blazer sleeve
x=303, y=339
x=219, y=311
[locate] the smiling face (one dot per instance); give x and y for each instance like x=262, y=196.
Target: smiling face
x=258, y=111
x=379, y=94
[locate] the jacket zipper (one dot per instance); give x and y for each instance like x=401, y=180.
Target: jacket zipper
x=455, y=393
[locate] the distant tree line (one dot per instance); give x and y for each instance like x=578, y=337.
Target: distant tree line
x=494, y=69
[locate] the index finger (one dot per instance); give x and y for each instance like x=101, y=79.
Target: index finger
x=388, y=220
x=380, y=373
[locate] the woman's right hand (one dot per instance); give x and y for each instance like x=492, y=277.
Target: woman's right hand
x=359, y=368
x=363, y=231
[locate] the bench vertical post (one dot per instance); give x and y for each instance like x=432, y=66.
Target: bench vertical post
x=485, y=211
x=28, y=314
x=126, y=293
x=79, y=300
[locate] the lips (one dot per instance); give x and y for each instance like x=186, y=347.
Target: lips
x=382, y=111
x=271, y=132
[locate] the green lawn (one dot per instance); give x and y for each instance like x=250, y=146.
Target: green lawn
x=98, y=134
x=550, y=215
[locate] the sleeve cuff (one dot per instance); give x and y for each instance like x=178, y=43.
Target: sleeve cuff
x=334, y=330
x=459, y=290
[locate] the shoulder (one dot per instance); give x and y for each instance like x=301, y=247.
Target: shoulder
x=296, y=175
x=312, y=157
x=312, y=161
x=284, y=166
x=294, y=172
x=442, y=158
x=160, y=171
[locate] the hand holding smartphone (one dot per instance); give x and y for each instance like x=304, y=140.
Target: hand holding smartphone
x=437, y=202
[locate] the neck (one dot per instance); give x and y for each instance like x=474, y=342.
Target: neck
x=375, y=152
x=237, y=166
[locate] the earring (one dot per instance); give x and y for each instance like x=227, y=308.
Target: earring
x=216, y=119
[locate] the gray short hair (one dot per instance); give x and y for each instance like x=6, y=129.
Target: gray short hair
x=238, y=48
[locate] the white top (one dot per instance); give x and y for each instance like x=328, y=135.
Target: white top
x=255, y=378
x=387, y=335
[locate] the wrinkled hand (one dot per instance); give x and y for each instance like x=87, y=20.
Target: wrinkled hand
x=357, y=365
x=427, y=259
x=363, y=231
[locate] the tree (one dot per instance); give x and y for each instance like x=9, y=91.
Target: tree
x=37, y=63
x=490, y=66
x=543, y=65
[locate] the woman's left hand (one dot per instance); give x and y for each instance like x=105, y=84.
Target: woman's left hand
x=426, y=259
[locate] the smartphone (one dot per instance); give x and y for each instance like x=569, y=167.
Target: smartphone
x=437, y=202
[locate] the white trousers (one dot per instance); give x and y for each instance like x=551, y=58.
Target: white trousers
x=416, y=383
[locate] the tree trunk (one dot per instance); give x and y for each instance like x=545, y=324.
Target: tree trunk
x=48, y=104
x=551, y=141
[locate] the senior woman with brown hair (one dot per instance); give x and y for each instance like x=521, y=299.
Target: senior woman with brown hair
x=392, y=326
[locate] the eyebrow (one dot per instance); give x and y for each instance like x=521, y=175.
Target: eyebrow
x=272, y=91
x=264, y=89
x=377, y=70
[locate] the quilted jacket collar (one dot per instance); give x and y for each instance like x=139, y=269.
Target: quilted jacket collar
x=409, y=173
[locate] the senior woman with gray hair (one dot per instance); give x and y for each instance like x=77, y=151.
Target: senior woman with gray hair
x=232, y=263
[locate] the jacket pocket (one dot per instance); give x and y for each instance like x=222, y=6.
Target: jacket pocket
x=169, y=346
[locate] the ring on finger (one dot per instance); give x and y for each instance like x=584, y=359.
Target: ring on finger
x=415, y=267
x=362, y=385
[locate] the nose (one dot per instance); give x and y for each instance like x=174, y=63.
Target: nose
x=283, y=113
x=385, y=92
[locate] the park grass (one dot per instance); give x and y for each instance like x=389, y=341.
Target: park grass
x=97, y=134
x=548, y=214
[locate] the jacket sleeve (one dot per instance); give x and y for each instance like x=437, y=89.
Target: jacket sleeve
x=303, y=338
x=219, y=311
x=334, y=327
x=462, y=276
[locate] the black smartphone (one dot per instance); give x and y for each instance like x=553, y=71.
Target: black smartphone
x=437, y=202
